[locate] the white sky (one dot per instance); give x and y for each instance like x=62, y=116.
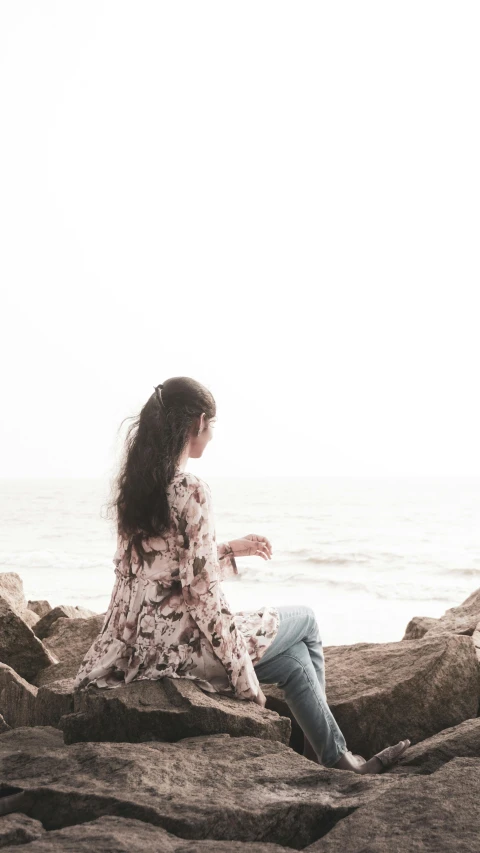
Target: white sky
x=278, y=199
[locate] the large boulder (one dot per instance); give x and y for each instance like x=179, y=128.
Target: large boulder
x=19, y=647
x=17, y=828
x=438, y=813
x=114, y=834
x=41, y=608
x=43, y=628
x=476, y=641
x=11, y=589
x=462, y=741
x=168, y=709
x=4, y=727
x=17, y=698
x=380, y=693
x=69, y=640
x=418, y=627
x=217, y=787
x=54, y=700
x=462, y=619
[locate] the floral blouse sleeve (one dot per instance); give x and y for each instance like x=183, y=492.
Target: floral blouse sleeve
x=200, y=575
x=227, y=567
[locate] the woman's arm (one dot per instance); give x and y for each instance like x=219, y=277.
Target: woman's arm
x=200, y=576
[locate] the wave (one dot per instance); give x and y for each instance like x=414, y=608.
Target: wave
x=339, y=560
x=28, y=560
x=387, y=592
x=468, y=573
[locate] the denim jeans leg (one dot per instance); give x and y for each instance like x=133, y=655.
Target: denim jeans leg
x=294, y=672
x=298, y=622
x=294, y=661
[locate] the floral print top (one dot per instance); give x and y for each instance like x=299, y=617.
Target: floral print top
x=168, y=615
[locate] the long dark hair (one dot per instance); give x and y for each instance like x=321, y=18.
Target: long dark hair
x=154, y=444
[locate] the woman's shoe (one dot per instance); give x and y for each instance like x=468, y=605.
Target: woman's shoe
x=391, y=754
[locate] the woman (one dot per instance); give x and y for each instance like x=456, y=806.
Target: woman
x=168, y=615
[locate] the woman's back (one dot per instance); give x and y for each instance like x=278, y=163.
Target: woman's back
x=168, y=615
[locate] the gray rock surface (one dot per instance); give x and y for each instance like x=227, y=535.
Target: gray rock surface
x=4, y=727
x=17, y=698
x=16, y=829
x=167, y=709
x=462, y=619
x=218, y=787
x=418, y=627
x=462, y=741
x=69, y=640
x=41, y=608
x=439, y=813
x=19, y=647
x=381, y=693
x=11, y=589
x=112, y=834
x=44, y=626
x=54, y=700
x=476, y=641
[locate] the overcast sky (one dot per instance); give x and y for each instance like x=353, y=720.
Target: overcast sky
x=280, y=200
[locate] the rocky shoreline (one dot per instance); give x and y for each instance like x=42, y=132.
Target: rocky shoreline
x=162, y=766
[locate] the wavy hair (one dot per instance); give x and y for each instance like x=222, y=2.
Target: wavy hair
x=154, y=443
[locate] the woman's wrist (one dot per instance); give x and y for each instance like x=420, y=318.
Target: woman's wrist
x=229, y=551
x=225, y=549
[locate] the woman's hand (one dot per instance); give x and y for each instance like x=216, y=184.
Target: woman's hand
x=260, y=698
x=252, y=546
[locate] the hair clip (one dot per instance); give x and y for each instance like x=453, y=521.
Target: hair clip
x=159, y=394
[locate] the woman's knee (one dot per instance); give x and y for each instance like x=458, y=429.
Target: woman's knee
x=311, y=624
x=294, y=662
x=303, y=613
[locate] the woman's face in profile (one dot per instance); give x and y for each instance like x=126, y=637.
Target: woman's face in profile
x=199, y=442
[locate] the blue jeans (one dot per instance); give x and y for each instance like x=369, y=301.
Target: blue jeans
x=294, y=660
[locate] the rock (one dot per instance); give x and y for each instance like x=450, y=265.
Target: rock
x=54, y=700
x=435, y=814
x=17, y=698
x=460, y=620
x=113, y=834
x=30, y=618
x=430, y=754
x=11, y=589
x=476, y=641
x=18, y=828
x=168, y=709
x=239, y=788
x=418, y=627
x=44, y=625
x=4, y=727
x=41, y=608
x=69, y=640
x=380, y=693
x=19, y=647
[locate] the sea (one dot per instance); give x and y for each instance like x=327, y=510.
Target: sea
x=367, y=554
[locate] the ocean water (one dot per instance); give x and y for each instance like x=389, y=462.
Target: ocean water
x=366, y=554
